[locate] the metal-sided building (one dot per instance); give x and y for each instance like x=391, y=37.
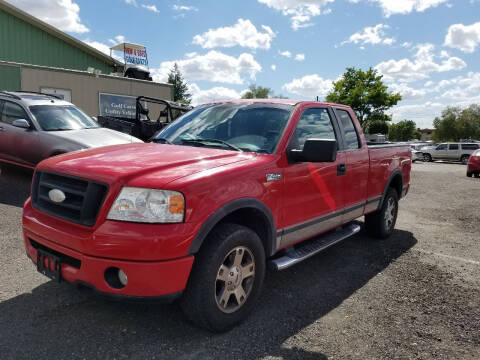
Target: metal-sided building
x=35, y=56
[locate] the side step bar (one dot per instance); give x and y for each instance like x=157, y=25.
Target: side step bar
x=297, y=253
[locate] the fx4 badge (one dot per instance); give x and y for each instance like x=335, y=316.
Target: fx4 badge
x=273, y=177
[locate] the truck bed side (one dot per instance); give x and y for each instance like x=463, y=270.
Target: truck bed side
x=387, y=162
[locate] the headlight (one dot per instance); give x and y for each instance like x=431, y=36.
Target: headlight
x=148, y=206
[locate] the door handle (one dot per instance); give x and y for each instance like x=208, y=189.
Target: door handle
x=341, y=169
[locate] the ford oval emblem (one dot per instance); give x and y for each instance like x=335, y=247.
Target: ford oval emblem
x=57, y=196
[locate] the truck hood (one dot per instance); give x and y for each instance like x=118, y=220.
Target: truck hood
x=92, y=138
x=155, y=164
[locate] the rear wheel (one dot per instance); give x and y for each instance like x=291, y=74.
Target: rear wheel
x=381, y=223
x=226, y=278
x=427, y=157
x=469, y=174
x=464, y=159
x=477, y=175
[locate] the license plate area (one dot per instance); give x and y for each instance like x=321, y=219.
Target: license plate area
x=49, y=265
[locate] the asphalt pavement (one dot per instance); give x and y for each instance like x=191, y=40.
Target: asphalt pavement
x=415, y=295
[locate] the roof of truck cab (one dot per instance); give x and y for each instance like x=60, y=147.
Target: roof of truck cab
x=277, y=101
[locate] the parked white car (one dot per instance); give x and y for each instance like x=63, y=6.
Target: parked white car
x=450, y=151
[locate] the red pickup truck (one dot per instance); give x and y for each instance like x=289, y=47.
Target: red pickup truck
x=222, y=192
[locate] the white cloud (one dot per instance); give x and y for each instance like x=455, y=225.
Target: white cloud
x=461, y=88
x=299, y=11
x=407, y=92
x=214, y=94
x=300, y=57
x=243, y=34
x=63, y=14
x=184, y=8
x=131, y=2
x=273, y=67
x=371, y=35
x=309, y=86
x=423, y=114
x=393, y=7
x=151, y=8
x=463, y=37
x=104, y=48
x=406, y=70
x=117, y=40
x=213, y=66
x=286, y=53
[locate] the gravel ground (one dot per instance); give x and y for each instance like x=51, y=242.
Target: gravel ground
x=413, y=296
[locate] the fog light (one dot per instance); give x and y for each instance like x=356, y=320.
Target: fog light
x=122, y=277
x=116, y=278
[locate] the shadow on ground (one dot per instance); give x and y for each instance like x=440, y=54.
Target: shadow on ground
x=14, y=184
x=59, y=321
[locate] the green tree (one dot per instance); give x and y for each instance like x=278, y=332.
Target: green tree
x=180, y=88
x=365, y=92
x=257, y=92
x=403, y=131
x=445, y=125
x=376, y=127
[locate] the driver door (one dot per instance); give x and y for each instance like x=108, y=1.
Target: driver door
x=313, y=192
x=16, y=144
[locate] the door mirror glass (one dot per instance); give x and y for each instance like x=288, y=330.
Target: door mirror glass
x=21, y=123
x=316, y=150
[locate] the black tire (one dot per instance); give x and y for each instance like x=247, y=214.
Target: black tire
x=464, y=159
x=427, y=158
x=200, y=300
x=477, y=175
x=469, y=174
x=376, y=223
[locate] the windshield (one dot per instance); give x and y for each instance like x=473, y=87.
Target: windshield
x=57, y=118
x=252, y=127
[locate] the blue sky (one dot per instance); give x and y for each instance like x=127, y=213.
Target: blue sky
x=428, y=50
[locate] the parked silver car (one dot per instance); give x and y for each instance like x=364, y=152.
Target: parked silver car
x=36, y=126
x=455, y=151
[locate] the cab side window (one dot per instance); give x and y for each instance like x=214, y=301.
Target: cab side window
x=352, y=141
x=441, y=147
x=12, y=112
x=453, y=147
x=313, y=124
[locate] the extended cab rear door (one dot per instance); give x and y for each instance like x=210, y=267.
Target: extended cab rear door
x=357, y=164
x=313, y=192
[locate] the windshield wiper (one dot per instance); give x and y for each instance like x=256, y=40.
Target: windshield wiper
x=161, y=140
x=216, y=141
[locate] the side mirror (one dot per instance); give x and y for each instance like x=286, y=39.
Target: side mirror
x=315, y=150
x=94, y=119
x=21, y=123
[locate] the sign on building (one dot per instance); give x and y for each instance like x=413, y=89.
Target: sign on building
x=133, y=54
x=122, y=106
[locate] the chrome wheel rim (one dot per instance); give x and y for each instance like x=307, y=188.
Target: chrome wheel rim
x=234, y=281
x=390, y=213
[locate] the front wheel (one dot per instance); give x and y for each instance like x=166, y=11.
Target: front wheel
x=381, y=223
x=427, y=157
x=464, y=159
x=226, y=278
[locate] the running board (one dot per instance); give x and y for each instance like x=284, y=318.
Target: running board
x=297, y=253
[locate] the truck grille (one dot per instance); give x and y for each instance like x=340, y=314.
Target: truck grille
x=83, y=198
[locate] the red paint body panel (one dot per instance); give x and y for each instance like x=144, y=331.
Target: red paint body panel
x=146, y=279
x=157, y=254
x=473, y=165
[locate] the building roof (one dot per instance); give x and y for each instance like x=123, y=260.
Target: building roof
x=57, y=33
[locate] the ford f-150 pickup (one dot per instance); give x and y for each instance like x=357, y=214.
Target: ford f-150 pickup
x=222, y=192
